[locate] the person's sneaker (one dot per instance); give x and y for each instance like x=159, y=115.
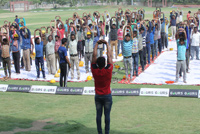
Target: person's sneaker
x=78, y=78
x=136, y=75
x=3, y=79
x=184, y=81
x=6, y=78
x=44, y=78
x=37, y=78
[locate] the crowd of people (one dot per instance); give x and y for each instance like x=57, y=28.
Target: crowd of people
x=139, y=40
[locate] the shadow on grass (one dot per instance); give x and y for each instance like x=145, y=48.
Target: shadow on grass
x=70, y=127
x=8, y=124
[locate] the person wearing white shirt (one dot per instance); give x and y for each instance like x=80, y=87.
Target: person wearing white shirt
x=181, y=16
x=195, y=43
x=74, y=61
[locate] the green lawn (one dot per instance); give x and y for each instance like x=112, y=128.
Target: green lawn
x=76, y=114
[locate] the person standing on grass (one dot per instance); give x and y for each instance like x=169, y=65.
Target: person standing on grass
x=172, y=25
x=188, y=15
x=26, y=46
x=181, y=55
x=57, y=45
x=64, y=61
x=39, y=60
x=152, y=38
x=66, y=28
x=113, y=36
x=102, y=74
x=88, y=49
x=140, y=48
x=72, y=43
x=120, y=38
x=135, y=54
x=60, y=29
x=43, y=35
x=148, y=46
x=15, y=49
x=5, y=47
x=127, y=52
x=195, y=43
x=163, y=33
x=80, y=35
x=50, y=53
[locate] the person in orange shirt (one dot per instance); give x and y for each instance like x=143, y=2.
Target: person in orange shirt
x=188, y=15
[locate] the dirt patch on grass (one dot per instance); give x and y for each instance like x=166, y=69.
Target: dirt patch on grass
x=36, y=126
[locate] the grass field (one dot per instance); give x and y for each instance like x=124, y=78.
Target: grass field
x=76, y=114
x=58, y=114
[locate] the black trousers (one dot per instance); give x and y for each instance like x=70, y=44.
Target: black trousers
x=63, y=74
x=145, y=55
x=163, y=40
x=141, y=59
x=16, y=58
x=83, y=42
x=107, y=29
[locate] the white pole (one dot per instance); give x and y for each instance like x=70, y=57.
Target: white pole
x=131, y=2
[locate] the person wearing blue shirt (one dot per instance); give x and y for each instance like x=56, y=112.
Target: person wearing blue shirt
x=22, y=23
x=15, y=49
x=64, y=60
x=163, y=34
x=26, y=46
x=16, y=19
x=39, y=56
x=96, y=35
x=148, y=31
x=173, y=25
x=187, y=48
x=127, y=51
x=152, y=38
x=181, y=57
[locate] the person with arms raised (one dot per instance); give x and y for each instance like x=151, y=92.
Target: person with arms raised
x=102, y=74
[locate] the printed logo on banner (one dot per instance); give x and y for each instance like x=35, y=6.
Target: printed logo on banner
x=183, y=93
x=154, y=92
x=43, y=89
x=89, y=91
x=69, y=90
x=18, y=88
x=3, y=88
x=126, y=92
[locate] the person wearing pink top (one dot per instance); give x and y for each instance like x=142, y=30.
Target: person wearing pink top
x=57, y=45
x=120, y=38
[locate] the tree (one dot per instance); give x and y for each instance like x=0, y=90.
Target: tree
x=118, y=1
x=3, y=2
